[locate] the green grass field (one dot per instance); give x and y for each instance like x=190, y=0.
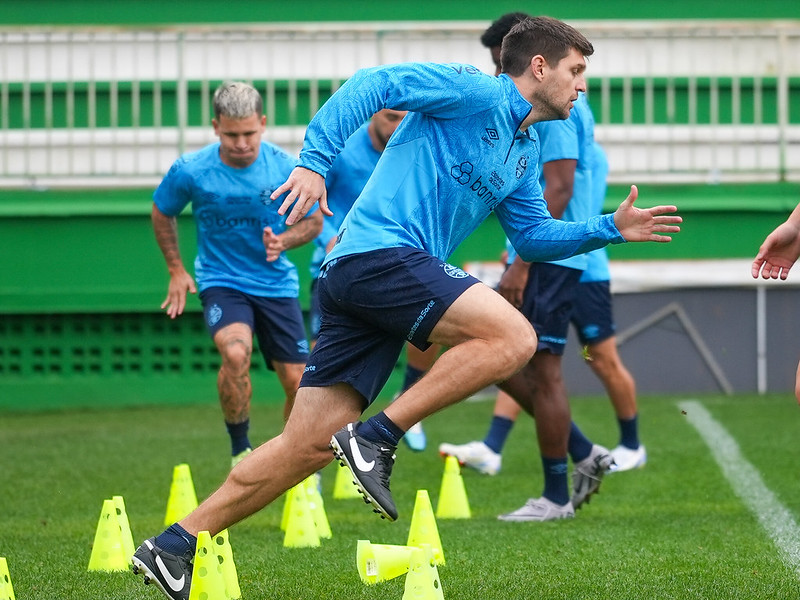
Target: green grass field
x=675, y=529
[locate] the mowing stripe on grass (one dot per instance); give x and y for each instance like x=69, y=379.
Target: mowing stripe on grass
x=747, y=483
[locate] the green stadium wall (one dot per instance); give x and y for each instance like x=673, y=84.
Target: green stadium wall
x=140, y=12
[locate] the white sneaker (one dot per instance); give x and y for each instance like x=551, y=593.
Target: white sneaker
x=626, y=459
x=540, y=509
x=475, y=455
x=588, y=473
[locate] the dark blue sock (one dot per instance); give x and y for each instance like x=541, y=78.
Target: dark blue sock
x=176, y=540
x=579, y=446
x=380, y=429
x=498, y=432
x=629, y=432
x=412, y=376
x=239, y=439
x=555, y=480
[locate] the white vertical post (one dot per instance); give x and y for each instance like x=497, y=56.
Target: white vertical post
x=761, y=338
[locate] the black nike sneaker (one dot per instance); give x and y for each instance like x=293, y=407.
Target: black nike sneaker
x=170, y=573
x=371, y=465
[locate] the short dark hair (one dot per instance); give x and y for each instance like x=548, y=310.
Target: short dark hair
x=494, y=34
x=551, y=38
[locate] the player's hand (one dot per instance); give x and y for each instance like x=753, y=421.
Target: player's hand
x=778, y=253
x=512, y=283
x=273, y=244
x=646, y=224
x=305, y=187
x=179, y=285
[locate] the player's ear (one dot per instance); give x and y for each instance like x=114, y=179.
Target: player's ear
x=538, y=64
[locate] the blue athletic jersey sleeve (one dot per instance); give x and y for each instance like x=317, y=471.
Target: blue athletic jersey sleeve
x=457, y=156
x=231, y=207
x=597, y=268
x=346, y=178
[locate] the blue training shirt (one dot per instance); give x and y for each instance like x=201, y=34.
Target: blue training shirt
x=344, y=182
x=597, y=260
x=231, y=207
x=457, y=156
x=570, y=139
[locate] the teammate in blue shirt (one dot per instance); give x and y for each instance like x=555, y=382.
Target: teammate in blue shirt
x=344, y=182
x=594, y=323
x=546, y=293
x=574, y=164
x=465, y=149
x=246, y=282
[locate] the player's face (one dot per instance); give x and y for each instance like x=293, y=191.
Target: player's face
x=561, y=85
x=240, y=139
x=384, y=124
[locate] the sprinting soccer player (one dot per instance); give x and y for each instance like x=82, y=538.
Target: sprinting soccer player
x=464, y=150
x=343, y=183
x=242, y=288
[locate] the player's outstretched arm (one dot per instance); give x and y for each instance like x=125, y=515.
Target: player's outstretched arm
x=645, y=224
x=780, y=249
x=305, y=187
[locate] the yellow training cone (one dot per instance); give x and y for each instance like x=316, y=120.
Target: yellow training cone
x=287, y=505
x=423, y=528
x=107, y=552
x=124, y=526
x=301, y=531
x=381, y=562
x=317, y=507
x=182, y=498
x=343, y=487
x=208, y=582
x=6, y=589
x=422, y=581
x=453, y=503
x=224, y=552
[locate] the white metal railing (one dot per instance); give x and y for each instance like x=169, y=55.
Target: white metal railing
x=51, y=130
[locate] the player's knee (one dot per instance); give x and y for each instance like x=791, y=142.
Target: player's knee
x=236, y=357
x=519, y=349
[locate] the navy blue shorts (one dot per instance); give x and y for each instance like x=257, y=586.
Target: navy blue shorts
x=548, y=303
x=313, y=309
x=593, y=317
x=276, y=322
x=371, y=304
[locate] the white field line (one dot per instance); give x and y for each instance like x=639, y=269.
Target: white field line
x=747, y=483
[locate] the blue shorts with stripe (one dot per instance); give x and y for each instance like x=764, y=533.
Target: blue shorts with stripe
x=593, y=316
x=548, y=303
x=276, y=322
x=370, y=305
